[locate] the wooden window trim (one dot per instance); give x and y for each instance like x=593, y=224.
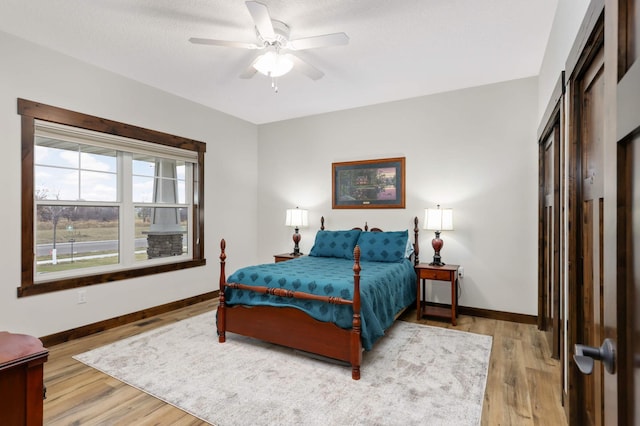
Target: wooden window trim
x=30, y=111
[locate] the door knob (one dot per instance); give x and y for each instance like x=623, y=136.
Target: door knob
x=586, y=355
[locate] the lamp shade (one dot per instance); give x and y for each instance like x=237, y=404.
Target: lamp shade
x=297, y=218
x=438, y=219
x=273, y=64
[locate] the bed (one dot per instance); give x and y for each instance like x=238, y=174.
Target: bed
x=335, y=302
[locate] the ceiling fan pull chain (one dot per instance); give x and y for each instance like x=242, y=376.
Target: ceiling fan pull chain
x=274, y=84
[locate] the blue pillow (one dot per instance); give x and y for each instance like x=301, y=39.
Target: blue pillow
x=383, y=246
x=335, y=243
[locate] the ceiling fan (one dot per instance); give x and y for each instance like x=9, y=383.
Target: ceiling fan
x=273, y=36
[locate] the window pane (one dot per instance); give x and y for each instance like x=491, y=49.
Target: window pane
x=181, y=170
x=160, y=232
x=181, y=166
x=142, y=189
x=70, y=171
x=143, y=165
x=97, y=186
x=75, y=237
x=52, y=152
x=53, y=183
x=98, y=159
x=165, y=191
x=158, y=180
x=181, y=191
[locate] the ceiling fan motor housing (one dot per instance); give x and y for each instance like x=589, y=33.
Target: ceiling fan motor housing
x=281, y=31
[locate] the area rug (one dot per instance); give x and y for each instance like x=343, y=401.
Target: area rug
x=416, y=374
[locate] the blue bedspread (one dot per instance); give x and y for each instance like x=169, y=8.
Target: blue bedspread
x=385, y=289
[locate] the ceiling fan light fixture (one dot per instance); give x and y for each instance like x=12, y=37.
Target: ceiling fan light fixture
x=273, y=36
x=273, y=64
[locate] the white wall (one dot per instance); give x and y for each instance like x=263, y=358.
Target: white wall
x=473, y=150
x=566, y=23
x=41, y=75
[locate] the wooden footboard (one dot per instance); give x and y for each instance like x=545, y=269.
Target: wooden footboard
x=291, y=327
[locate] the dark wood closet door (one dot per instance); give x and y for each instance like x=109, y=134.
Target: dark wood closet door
x=550, y=243
x=628, y=358
x=591, y=201
x=623, y=407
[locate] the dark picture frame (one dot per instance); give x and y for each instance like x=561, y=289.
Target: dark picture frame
x=369, y=184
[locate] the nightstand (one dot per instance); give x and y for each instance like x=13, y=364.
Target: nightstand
x=449, y=273
x=285, y=256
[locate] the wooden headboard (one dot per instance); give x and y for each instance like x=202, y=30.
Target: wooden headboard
x=416, y=246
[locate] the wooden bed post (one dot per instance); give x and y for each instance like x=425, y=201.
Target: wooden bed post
x=222, y=319
x=356, y=344
x=416, y=247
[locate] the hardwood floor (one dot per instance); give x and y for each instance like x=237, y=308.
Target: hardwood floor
x=523, y=386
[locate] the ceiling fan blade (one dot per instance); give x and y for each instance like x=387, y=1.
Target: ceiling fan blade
x=305, y=68
x=248, y=73
x=261, y=18
x=224, y=43
x=335, y=39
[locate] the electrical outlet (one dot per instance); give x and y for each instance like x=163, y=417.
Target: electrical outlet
x=460, y=272
x=82, y=296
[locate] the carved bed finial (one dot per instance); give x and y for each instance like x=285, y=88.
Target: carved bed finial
x=223, y=245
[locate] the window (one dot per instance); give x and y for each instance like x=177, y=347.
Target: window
x=104, y=201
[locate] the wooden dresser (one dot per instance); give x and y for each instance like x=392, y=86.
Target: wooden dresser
x=22, y=361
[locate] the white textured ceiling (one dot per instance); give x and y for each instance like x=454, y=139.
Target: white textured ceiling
x=398, y=49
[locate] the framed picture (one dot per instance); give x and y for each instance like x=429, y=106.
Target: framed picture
x=369, y=184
